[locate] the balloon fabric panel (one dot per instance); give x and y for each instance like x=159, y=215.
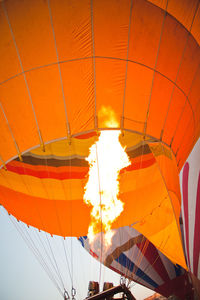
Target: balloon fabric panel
x=62, y=62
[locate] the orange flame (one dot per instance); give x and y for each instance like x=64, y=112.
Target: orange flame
x=106, y=158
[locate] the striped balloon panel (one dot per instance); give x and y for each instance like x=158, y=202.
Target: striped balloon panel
x=45, y=189
x=190, y=178
x=134, y=257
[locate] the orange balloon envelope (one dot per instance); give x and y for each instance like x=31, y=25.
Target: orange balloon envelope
x=61, y=61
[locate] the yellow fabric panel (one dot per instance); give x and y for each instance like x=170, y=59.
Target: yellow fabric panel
x=160, y=149
x=145, y=32
x=170, y=55
x=78, y=87
x=138, y=86
x=152, y=196
x=45, y=188
x=7, y=50
x=17, y=106
x=69, y=218
x=110, y=76
x=140, y=179
x=141, y=201
x=31, y=27
x=176, y=203
x=169, y=172
x=63, y=148
x=72, y=25
x=42, y=202
x=128, y=139
x=111, y=23
x=166, y=209
x=150, y=221
x=50, y=188
x=144, y=202
x=168, y=240
x=50, y=112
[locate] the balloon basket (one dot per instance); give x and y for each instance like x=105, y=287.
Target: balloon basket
x=110, y=292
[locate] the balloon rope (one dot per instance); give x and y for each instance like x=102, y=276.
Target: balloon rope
x=43, y=225
x=68, y=126
x=28, y=190
x=126, y=70
x=147, y=115
x=136, y=261
x=54, y=259
x=148, y=266
x=67, y=262
x=36, y=253
x=39, y=252
x=133, y=249
x=28, y=187
x=137, y=249
x=130, y=248
x=57, y=215
x=146, y=243
x=45, y=250
x=70, y=143
x=172, y=206
x=101, y=249
x=59, y=224
x=135, y=268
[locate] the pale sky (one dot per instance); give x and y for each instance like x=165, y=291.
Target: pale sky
x=22, y=277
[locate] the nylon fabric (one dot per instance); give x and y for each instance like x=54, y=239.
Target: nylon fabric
x=60, y=64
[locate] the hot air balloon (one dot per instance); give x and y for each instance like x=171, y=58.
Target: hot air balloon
x=135, y=258
x=190, y=178
x=66, y=67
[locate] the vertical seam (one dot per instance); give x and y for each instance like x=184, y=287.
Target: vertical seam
x=186, y=101
x=126, y=71
x=60, y=75
x=12, y=135
x=186, y=43
x=94, y=66
x=154, y=72
x=23, y=73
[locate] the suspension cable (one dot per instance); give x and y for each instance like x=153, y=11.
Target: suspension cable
x=36, y=253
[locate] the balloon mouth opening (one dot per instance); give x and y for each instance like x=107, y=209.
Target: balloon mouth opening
x=63, y=171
